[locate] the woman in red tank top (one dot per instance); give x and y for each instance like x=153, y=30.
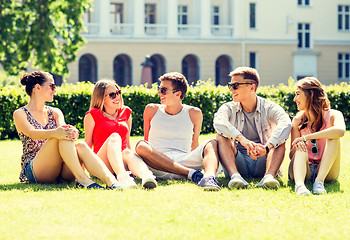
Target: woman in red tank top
x=107, y=130
x=315, y=138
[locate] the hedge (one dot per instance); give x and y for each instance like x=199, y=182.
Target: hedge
x=74, y=101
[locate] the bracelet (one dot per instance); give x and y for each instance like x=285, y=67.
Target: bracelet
x=304, y=138
x=267, y=149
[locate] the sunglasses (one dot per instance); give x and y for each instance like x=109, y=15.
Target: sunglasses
x=235, y=85
x=52, y=86
x=164, y=90
x=113, y=95
x=314, y=149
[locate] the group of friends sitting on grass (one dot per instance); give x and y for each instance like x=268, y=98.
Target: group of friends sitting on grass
x=250, y=141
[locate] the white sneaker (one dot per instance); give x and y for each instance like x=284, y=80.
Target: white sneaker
x=237, y=181
x=268, y=181
x=149, y=182
x=301, y=190
x=318, y=188
x=126, y=181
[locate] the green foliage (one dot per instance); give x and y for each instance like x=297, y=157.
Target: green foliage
x=47, y=32
x=74, y=101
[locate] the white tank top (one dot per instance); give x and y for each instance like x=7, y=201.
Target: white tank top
x=171, y=133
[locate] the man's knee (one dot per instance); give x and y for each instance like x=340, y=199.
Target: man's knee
x=142, y=147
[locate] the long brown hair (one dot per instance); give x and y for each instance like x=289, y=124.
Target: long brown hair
x=317, y=102
x=98, y=95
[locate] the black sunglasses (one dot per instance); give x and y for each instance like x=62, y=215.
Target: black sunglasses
x=314, y=149
x=113, y=95
x=164, y=90
x=52, y=86
x=236, y=85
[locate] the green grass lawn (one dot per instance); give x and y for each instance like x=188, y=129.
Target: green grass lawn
x=174, y=210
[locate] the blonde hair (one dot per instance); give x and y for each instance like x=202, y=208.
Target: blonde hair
x=98, y=95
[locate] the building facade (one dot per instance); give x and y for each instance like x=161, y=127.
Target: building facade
x=206, y=39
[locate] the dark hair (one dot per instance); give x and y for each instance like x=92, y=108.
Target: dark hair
x=247, y=73
x=317, y=102
x=178, y=81
x=31, y=79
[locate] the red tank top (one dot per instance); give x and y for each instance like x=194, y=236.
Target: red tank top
x=104, y=127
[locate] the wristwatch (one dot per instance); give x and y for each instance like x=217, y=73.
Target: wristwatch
x=267, y=149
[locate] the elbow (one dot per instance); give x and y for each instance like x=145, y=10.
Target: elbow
x=341, y=132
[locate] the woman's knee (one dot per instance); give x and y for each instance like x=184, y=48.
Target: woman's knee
x=127, y=153
x=115, y=138
x=81, y=146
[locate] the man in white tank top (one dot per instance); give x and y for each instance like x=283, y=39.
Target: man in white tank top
x=171, y=131
x=251, y=132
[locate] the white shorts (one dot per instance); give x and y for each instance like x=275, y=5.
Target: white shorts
x=193, y=160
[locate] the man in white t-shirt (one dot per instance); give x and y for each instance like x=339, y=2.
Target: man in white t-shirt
x=171, y=131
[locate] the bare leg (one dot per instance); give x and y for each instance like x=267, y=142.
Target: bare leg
x=227, y=153
x=94, y=164
x=135, y=164
x=274, y=159
x=47, y=165
x=111, y=154
x=330, y=164
x=299, y=168
x=159, y=161
x=211, y=159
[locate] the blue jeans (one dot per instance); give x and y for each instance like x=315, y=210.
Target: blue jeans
x=28, y=171
x=248, y=167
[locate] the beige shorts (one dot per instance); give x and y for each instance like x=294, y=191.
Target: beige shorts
x=193, y=159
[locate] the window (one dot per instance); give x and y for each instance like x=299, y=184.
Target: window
x=215, y=13
x=303, y=2
x=344, y=66
x=182, y=14
x=117, y=12
x=343, y=17
x=253, y=60
x=304, y=35
x=252, y=17
x=150, y=13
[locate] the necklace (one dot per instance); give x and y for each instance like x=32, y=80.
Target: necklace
x=111, y=116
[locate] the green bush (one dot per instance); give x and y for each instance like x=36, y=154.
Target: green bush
x=74, y=101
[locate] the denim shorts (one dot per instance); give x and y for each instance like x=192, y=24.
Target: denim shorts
x=247, y=167
x=28, y=171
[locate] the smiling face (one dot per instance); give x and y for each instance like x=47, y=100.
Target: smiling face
x=48, y=89
x=112, y=92
x=170, y=96
x=300, y=99
x=243, y=92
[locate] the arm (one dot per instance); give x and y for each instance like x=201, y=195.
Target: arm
x=22, y=125
x=148, y=114
x=283, y=127
x=128, y=134
x=222, y=124
x=337, y=129
x=295, y=133
x=89, y=125
x=197, y=119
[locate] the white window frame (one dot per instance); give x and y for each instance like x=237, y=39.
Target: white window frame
x=344, y=14
x=343, y=62
x=304, y=32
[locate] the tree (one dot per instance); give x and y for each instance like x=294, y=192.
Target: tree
x=47, y=32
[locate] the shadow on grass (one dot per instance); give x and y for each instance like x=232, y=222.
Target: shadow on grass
x=331, y=187
x=35, y=187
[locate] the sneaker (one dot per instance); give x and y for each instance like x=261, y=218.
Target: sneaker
x=91, y=186
x=268, y=181
x=197, y=176
x=301, y=190
x=126, y=180
x=318, y=188
x=149, y=182
x=115, y=186
x=209, y=184
x=237, y=182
